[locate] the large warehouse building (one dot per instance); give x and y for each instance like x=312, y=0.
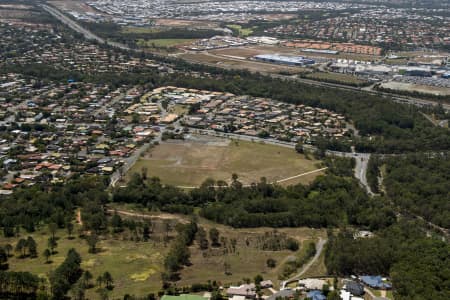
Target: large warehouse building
x=285, y=60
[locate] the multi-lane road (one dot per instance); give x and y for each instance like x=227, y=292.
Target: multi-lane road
x=78, y=28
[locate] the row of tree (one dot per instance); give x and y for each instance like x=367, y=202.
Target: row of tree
x=328, y=201
x=179, y=253
x=18, y=285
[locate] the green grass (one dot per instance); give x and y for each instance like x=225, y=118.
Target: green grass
x=190, y=163
x=389, y=295
x=165, y=43
x=318, y=268
x=179, y=109
x=135, y=267
x=247, y=262
x=240, y=30
x=336, y=77
x=375, y=292
x=131, y=29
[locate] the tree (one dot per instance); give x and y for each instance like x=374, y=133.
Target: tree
x=21, y=247
x=135, y=118
x=32, y=247
x=8, y=248
x=108, y=280
x=299, y=147
x=144, y=172
x=78, y=291
x=227, y=268
x=18, y=285
x=116, y=223
x=52, y=227
x=146, y=232
x=87, y=277
x=92, y=241
x=67, y=273
x=69, y=227
x=3, y=258
x=99, y=280
x=333, y=295
x=102, y=293
x=214, y=237
x=52, y=244
x=258, y=279
x=233, y=242
x=292, y=244
x=47, y=253
x=271, y=263
x=235, y=184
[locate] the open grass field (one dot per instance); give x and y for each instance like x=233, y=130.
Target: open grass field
x=178, y=109
x=164, y=42
x=189, y=163
x=242, y=31
x=135, y=267
x=133, y=29
x=336, y=77
x=248, y=260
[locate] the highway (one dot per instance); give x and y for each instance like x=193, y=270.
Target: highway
x=72, y=24
x=76, y=27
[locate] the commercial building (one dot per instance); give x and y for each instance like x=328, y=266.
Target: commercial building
x=285, y=60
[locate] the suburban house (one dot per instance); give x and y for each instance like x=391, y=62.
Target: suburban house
x=246, y=290
x=375, y=282
x=183, y=297
x=353, y=287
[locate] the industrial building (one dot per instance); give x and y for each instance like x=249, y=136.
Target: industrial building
x=285, y=60
x=319, y=51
